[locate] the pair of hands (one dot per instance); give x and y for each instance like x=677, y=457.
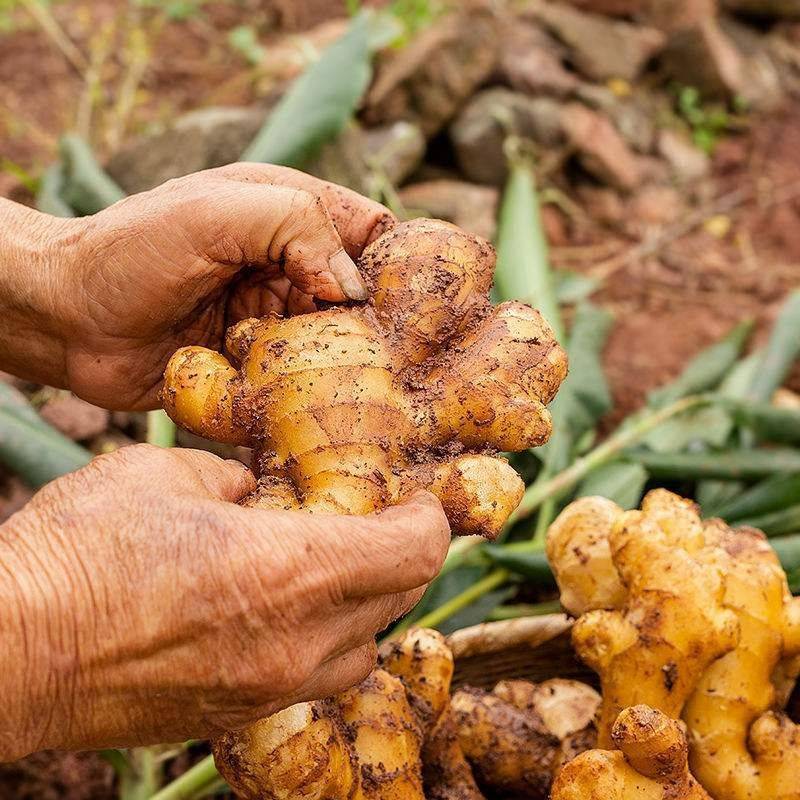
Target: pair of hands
x=138, y=603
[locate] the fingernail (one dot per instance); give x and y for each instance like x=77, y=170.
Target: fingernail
x=347, y=276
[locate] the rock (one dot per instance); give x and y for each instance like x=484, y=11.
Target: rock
x=468, y=205
x=13, y=495
x=74, y=417
x=675, y=15
x=704, y=57
x=633, y=116
x=209, y=137
x=480, y=130
x=655, y=206
x=397, y=148
x=428, y=80
x=789, y=9
x=762, y=87
x=531, y=61
x=358, y=155
x=600, y=148
x=600, y=48
x=688, y=163
x=613, y=8
x=602, y=205
x=555, y=226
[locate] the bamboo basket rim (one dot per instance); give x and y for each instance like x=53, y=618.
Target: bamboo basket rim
x=533, y=648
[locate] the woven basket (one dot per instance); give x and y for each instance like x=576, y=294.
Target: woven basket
x=534, y=648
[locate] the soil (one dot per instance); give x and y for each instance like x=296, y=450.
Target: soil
x=670, y=306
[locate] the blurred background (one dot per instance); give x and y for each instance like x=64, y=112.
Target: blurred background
x=636, y=161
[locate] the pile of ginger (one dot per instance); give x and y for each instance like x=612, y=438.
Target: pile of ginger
x=694, y=637
x=688, y=624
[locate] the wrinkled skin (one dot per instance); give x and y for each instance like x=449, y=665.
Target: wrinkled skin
x=99, y=304
x=196, y=615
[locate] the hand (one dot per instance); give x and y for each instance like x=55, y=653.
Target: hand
x=127, y=287
x=134, y=614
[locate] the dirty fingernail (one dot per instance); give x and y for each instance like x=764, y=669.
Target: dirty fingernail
x=347, y=276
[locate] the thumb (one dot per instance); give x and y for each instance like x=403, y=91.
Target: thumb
x=264, y=225
x=225, y=479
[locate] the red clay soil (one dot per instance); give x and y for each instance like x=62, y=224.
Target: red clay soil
x=670, y=306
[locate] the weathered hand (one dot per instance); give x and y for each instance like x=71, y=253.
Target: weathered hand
x=139, y=604
x=123, y=289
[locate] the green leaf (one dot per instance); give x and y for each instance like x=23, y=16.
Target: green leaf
x=706, y=370
x=786, y=520
x=787, y=548
x=48, y=198
x=768, y=422
x=780, y=353
x=573, y=287
x=523, y=267
x=319, y=103
x=87, y=187
x=477, y=612
x=620, y=481
x=725, y=465
x=772, y=494
x=35, y=451
x=444, y=588
x=244, y=40
x=522, y=559
x=584, y=396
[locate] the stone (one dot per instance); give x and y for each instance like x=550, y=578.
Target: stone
x=427, y=81
x=703, y=56
x=656, y=206
x=762, y=87
x=789, y=9
x=612, y=8
x=467, y=205
x=362, y=158
x=600, y=148
x=602, y=205
x=74, y=417
x=675, y=15
x=633, y=116
x=531, y=61
x=600, y=48
x=209, y=137
x=687, y=162
x=479, y=132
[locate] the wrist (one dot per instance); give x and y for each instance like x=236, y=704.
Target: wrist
x=31, y=685
x=36, y=291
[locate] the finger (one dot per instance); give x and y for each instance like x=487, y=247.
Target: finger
x=396, y=550
x=362, y=620
x=256, y=294
x=339, y=673
x=224, y=479
x=358, y=219
x=268, y=225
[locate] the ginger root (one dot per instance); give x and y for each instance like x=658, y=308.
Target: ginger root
x=666, y=622
x=351, y=408
x=389, y=738
x=649, y=764
x=706, y=629
x=742, y=747
x=518, y=735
